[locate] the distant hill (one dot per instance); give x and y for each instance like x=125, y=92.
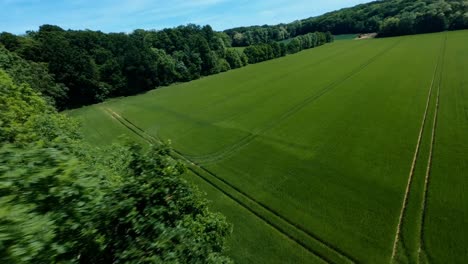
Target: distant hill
x=387, y=18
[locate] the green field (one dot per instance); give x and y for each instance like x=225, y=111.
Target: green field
x=240, y=49
x=355, y=151
x=345, y=37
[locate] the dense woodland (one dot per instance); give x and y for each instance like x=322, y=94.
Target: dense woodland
x=89, y=66
x=387, y=18
x=93, y=65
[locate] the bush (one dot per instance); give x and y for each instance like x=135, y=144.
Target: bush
x=63, y=201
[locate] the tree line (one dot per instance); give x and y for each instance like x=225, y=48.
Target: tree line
x=94, y=66
x=262, y=52
x=387, y=18
x=89, y=66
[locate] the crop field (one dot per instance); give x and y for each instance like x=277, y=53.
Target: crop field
x=353, y=152
x=346, y=37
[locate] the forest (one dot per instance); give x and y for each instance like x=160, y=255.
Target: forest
x=387, y=18
x=86, y=67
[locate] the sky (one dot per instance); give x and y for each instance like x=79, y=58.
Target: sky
x=18, y=16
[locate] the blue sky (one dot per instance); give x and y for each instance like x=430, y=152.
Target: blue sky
x=17, y=16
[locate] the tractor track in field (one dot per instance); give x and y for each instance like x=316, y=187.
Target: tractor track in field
x=416, y=156
x=340, y=255
x=426, y=180
x=430, y=157
x=274, y=212
x=227, y=152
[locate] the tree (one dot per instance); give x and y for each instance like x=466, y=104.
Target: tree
x=10, y=41
x=283, y=49
x=227, y=41
x=238, y=39
x=165, y=68
x=294, y=46
x=71, y=66
x=253, y=54
x=18, y=104
x=406, y=24
x=153, y=208
x=233, y=57
x=430, y=22
x=329, y=37
x=390, y=27
x=48, y=186
x=36, y=75
x=152, y=217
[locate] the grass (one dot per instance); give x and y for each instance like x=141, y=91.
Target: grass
x=241, y=49
x=265, y=244
x=309, y=155
x=345, y=37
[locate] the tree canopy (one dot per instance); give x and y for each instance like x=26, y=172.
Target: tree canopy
x=36, y=75
x=92, y=65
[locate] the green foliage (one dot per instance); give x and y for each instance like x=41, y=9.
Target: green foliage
x=155, y=217
x=9, y=40
x=62, y=201
x=294, y=46
x=259, y=53
x=390, y=26
x=420, y=16
x=246, y=36
x=26, y=117
x=18, y=104
x=262, y=52
x=48, y=185
x=152, y=216
x=25, y=236
x=233, y=57
x=36, y=75
x=94, y=66
x=89, y=66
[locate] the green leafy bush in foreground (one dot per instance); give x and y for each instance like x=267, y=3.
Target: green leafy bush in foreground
x=62, y=201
